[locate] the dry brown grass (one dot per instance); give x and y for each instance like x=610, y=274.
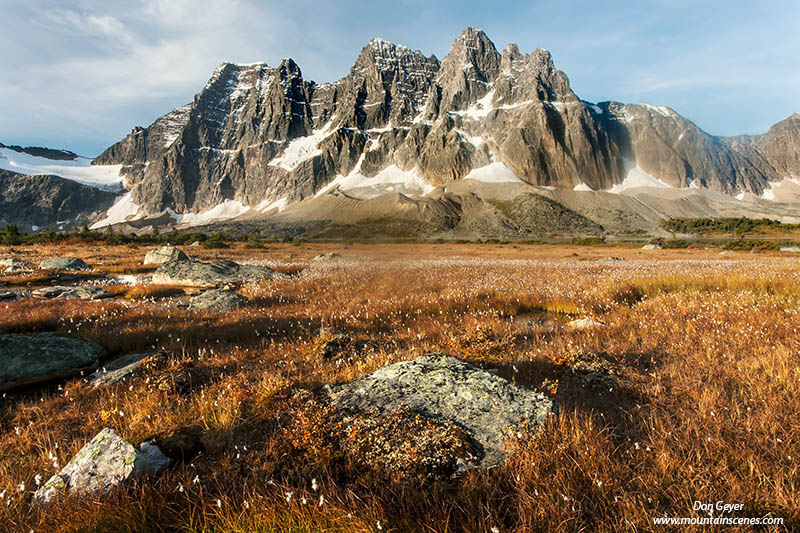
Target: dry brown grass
x=697, y=395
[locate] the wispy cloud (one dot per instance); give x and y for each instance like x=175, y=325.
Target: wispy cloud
x=81, y=73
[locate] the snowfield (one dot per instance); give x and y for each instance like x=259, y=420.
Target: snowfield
x=390, y=179
x=123, y=210
x=80, y=170
x=225, y=211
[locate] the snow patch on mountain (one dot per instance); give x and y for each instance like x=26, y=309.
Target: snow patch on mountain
x=475, y=141
x=302, y=149
x=637, y=178
x=279, y=204
x=493, y=173
x=123, y=210
x=225, y=211
x=479, y=109
x=582, y=187
x=660, y=109
x=80, y=169
x=390, y=179
x=484, y=106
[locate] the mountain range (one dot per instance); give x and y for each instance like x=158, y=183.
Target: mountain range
x=479, y=144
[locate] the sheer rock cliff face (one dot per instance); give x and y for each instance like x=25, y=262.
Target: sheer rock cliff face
x=779, y=148
x=48, y=201
x=257, y=134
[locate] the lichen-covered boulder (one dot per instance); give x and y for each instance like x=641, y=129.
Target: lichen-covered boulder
x=202, y=274
x=33, y=359
x=63, y=263
x=105, y=462
x=442, y=387
x=222, y=300
x=165, y=254
x=86, y=293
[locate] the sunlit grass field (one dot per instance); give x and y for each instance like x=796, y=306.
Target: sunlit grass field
x=689, y=391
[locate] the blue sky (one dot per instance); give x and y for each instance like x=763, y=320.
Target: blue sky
x=80, y=74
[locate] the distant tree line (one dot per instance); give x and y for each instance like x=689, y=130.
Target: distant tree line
x=10, y=235
x=736, y=226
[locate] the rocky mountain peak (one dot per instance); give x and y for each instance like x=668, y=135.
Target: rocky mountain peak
x=468, y=70
x=387, y=83
x=510, y=53
x=474, y=54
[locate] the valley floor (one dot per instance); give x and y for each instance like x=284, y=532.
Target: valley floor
x=686, y=391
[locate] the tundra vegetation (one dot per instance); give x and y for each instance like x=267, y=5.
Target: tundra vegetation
x=684, y=386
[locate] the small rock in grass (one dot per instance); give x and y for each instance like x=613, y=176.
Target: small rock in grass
x=105, y=462
x=165, y=254
x=86, y=293
x=221, y=300
x=585, y=323
x=64, y=263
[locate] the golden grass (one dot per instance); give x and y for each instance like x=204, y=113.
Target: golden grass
x=704, y=406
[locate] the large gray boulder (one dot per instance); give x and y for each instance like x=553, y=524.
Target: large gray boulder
x=198, y=273
x=63, y=263
x=165, y=254
x=105, y=462
x=442, y=387
x=221, y=300
x=32, y=359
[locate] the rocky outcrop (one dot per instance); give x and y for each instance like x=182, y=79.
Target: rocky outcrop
x=165, y=254
x=198, y=273
x=442, y=387
x=102, y=464
x=221, y=301
x=35, y=359
x=64, y=263
x=44, y=201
